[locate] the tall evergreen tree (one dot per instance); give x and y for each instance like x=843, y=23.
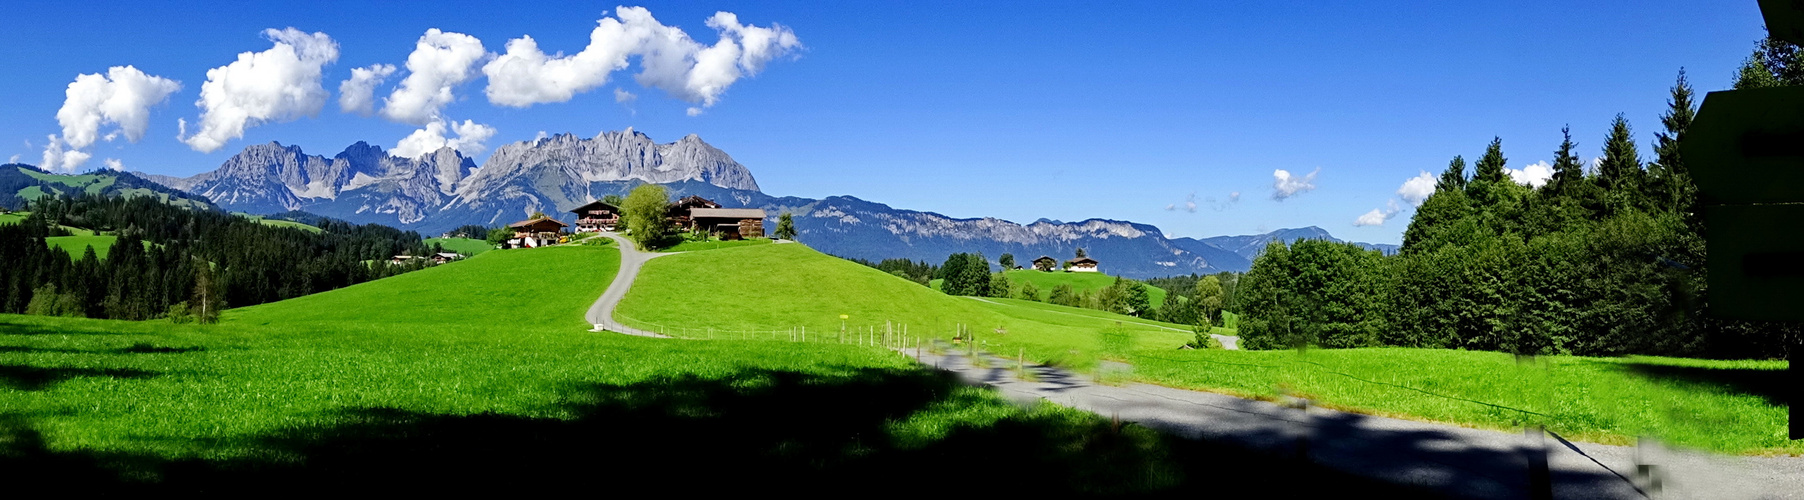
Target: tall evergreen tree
x=1754, y=74
x=1454, y=177
x=1671, y=179
x=1567, y=168
x=1490, y=167
x=1619, y=172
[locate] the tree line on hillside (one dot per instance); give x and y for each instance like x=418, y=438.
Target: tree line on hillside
x=176, y=262
x=1596, y=262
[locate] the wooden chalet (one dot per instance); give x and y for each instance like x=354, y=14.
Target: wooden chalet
x=1082, y=265
x=1046, y=263
x=533, y=233
x=443, y=257
x=596, y=216
x=728, y=223
x=678, y=213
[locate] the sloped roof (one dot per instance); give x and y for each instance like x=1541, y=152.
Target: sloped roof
x=594, y=205
x=1085, y=260
x=726, y=213
x=530, y=222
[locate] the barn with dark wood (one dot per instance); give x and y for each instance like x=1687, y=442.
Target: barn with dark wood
x=728, y=223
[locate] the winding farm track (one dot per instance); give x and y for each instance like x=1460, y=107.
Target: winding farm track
x=601, y=314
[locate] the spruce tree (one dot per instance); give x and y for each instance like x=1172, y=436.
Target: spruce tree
x=1454, y=177
x=1671, y=178
x=1566, y=166
x=1490, y=167
x=1619, y=172
x=1754, y=74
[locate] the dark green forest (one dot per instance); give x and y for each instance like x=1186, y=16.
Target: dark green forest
x=1599, y=261
x=196, y=262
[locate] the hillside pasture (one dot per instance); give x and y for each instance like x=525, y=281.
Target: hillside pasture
x=273, y=222
x=77, y=245
x=432, y=380
x=466, y=246
x=776, y=289
x=13, y=218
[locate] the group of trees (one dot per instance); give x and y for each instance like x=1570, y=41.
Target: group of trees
x=916, y=271
x=1124, y=296
x=1606, y=261
x=174, y=261
x=1196, y=300
x=969, y=274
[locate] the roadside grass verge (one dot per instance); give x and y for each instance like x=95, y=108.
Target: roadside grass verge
x=1723, y=406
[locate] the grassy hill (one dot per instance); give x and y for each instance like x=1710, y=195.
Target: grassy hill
x=12, y=218
x=22, y=183
x=484, y=368
x=466, y=246
x=279, y=222
x=1082, y=282
x=77, y=245
x=779, y=287
x=1726, y=406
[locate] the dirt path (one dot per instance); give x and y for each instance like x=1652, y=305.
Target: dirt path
x=1455, y=460
x=1227, y=342
x=601, y=314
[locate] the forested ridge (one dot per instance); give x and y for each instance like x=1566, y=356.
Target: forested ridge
x=175, y=261
x=1597, y=261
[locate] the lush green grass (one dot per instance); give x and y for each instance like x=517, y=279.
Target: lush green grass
x=91, y=183
x=445, y=377
x=1719, y=405
x=780, y=287
x=276, y=222
x=77, y=245
x=466, y=246
x=1727, y=406
x=692, y=246
x=1046, y=281
x=31, y=192
x=13, y=218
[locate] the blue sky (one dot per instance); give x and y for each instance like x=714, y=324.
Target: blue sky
x=1012, y=110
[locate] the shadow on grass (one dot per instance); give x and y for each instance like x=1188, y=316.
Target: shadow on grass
x=1769, y=384
x=869, y=431
x=137, y=348
x=37, y=378
x=14, y=327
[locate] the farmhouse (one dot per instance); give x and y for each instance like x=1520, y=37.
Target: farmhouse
x=678, y=213
x=596, y=216
x=533, y=233
x=728, y=223
x=1045, y=263
x=443, y=257
x=1082, y=265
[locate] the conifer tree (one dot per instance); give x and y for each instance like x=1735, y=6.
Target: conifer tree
x=1619, y=172
x=1672, y=180
x=1454, y=177
x=1754, y=74
x=1566, y=166
x=1490, y=167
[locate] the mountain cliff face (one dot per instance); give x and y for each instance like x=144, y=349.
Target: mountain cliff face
x=444, y=189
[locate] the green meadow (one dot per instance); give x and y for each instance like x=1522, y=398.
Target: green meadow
x=1726, y=406
x=483, y=372
x=13, y=218
x=1083, y=282
x=279, y=223
x=466, y=246
x=765, y=288
x=77, y=245
x=692, y=246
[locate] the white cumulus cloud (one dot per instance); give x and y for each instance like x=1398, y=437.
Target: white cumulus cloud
x=1377, y=216
x=623, y=97
x=358, y=94
x=440, y=61
x=279, y=84
x=121, y=97
x=1417, y=188
x=467, y=137
x=670, y=60
x=58, y=156
x=1286, y=185
x=114, y=164
x=1534, y=175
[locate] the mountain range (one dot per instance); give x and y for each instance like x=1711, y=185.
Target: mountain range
x=444, y=189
